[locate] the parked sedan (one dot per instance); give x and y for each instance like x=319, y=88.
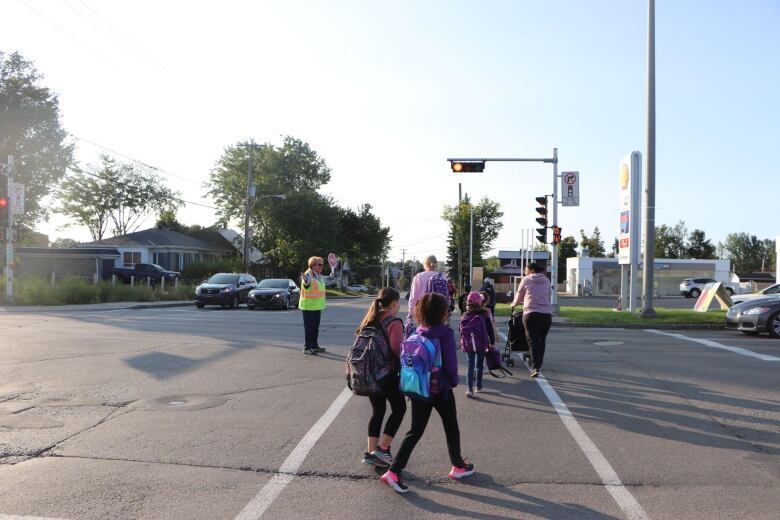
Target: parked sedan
x=755, y=317
x=773, y=291
x=692, y=287
x=357, y=288
x=274, y=292
x=225, y=289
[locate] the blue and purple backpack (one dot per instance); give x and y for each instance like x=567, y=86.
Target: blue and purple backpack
x=420, y=367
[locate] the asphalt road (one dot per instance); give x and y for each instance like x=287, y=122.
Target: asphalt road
x=182, y=414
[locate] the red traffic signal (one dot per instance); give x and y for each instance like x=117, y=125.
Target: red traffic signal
x=467, y=166
x=556, y=235
x=3, y=202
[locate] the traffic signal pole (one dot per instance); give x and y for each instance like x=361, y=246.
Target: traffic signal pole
x=477, y=165
x=9, y=237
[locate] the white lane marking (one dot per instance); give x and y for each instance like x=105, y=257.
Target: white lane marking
x=715, y=344
x=625, y=500
x=287, y=471
x=17, y=517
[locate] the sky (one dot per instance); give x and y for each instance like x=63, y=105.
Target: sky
x=386, y=91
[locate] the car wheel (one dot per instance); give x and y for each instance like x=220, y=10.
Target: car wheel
x=200, y=305
x=773, y=325
x=289, y=303
x=730, y=291
x=250, y=306
x=234, y=302
x=695, y=293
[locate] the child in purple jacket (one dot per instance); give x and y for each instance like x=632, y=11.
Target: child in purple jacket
x=476, y=336
x=431, y=313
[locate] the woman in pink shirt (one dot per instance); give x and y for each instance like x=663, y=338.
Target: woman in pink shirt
x=421, y=284
x=533, y=294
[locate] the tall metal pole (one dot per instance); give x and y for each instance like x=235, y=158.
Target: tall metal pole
x=649, y=257
x=248, y=206
x=554, y=259
x=460, y=244
x=471, y=247
x=9, y=249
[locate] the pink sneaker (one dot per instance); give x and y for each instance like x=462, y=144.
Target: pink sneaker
x=458, y=473
x=394, y=481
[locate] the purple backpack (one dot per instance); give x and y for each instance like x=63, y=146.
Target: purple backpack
x=473, y=333
x=438, y=284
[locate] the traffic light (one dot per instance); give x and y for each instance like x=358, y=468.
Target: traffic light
x=556, y=235
x=542, y=219
x=4, y=212
x=467, y=166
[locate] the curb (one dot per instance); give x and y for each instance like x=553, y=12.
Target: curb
x=648, y=326
x=153, y=305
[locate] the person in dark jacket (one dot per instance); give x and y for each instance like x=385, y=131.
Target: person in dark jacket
x=431, y=313
x=488, y=289
x=462, y=298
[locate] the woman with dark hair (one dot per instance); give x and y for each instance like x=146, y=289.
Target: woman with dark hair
x=432, y=313
x=534, y=294
x=382, y=313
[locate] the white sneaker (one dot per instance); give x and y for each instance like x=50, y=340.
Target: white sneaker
x=469, y=394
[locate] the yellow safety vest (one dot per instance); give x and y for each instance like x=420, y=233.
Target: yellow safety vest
x=313, y=298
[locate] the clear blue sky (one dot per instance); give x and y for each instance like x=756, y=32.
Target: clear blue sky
x=386, y=91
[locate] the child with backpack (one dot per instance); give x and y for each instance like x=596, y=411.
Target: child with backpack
x=432, y=347
x=476, y=337
x=377, y=376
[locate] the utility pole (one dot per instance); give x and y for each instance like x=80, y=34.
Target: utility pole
x=403, y=268
x=554, y=259
x=9, y=236
x=649, y=257
x=248, y=205
x=471, y=246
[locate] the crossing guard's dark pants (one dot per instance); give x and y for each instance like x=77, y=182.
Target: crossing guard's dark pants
x=311, y=328
x=537, y=325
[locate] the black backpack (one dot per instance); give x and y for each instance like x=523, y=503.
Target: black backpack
x=370, y=359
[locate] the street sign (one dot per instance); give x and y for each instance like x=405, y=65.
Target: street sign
x=333, y=261
x=17, y=199
x=570, y=188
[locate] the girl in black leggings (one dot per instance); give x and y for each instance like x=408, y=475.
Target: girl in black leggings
x=383, y=312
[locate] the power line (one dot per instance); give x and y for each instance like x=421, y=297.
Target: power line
x=147, y=165
x=66, y=33
x=123, y=35
x=114, y=181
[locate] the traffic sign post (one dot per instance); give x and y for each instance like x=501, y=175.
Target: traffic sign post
x=9, y=233
x=570, y=188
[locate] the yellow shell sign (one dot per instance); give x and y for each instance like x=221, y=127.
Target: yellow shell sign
x=624, y=176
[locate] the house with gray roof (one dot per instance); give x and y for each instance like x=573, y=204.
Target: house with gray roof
x=169, y=249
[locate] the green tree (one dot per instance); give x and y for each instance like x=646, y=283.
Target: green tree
x=114, y=193
x=364, y=242
x=566, y=249
x=748, y=253
x=491, y=264
x=594, y=243
x=487, y=224
x=670, y=242
x=30, y=130
x=698, y=246
x=63, y=242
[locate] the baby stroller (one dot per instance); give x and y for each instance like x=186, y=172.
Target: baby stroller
x=515, y=339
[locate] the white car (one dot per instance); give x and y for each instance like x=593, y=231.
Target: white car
x=769, y=292
x=357, y=288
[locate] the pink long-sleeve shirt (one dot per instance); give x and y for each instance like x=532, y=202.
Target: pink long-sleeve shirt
x=533, y=294
x=419, y=288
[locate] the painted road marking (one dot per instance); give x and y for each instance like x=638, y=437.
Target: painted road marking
x=715, y=344
x=17, y=517
x=289, y=468
x=625, y=500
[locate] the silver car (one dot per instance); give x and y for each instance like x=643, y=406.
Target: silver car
x=773, y=291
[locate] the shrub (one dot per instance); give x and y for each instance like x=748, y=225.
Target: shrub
x=75, y=290
x=33, y=291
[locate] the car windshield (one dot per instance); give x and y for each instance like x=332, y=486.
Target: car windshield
x=158, y=267
x=273, y=284
x=224, y=278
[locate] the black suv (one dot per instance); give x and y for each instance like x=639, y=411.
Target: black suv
x=225, y=289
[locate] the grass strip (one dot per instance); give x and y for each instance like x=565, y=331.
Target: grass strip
x=599, y=315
